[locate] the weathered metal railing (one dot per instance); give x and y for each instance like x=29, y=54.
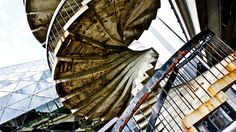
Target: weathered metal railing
x=179, y=87
x=64, y=12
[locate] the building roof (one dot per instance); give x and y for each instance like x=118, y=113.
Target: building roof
x=24, y=87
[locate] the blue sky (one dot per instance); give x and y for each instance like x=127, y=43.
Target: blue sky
x=17, y=43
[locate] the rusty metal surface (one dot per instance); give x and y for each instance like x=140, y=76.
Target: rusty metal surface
x=160, y=102
x=99, y=86
x=39, y=14
x=176, y=98
x=156, y=79
x=94, y=70
x=205, y=109
x=115, y=23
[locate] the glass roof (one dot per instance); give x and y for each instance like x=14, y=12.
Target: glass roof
x=24, y=87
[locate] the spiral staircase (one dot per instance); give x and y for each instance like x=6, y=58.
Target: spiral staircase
x=99, y=78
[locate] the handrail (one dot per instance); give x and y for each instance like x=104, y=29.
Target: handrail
x=180, y=83
x=158, y=77
x=58, y=26
x=55, y=14
x=163, y=95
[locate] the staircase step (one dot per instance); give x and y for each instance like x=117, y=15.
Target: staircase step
x=228, y=68
x=231, y=66
x=203, y=110
x=223, y=83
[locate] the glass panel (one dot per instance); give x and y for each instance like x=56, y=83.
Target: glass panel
x=21, y=100
x=9, y=88
x=3, y=94
x=1, y=111
x=37, y=101
x=220, y=119
x=5, y=83
x=216, y=121
x=9, y=114
x=17, y=76
x=23, y=84
x=42, y=86
x=202, y=127
x=55, y=104
x=229, y=111
x=43, y=108
x=4, y=100
x=52, y=107
x=21, y=105
x=58, y=103
x=46, y=74
x=27, y=90
x=49, y=80
x=29, y=74
x=49, y=93
x=16, y=97
x=34, y=77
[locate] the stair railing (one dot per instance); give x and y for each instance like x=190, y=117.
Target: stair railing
x=179, y=87
x=63, y=13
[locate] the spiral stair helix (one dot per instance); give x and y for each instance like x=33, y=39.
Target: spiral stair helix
x=92, y=66
x=95, y=71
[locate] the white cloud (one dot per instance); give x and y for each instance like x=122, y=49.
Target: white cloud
x=3, y=34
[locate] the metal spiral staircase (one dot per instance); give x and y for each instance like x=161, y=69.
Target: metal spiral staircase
x=87, y=49
x=98, y=77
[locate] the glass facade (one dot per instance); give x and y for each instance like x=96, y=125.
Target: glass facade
x=26, y=87
x=217, y=120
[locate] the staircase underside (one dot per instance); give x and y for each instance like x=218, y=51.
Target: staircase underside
x=39, y=14
x=95, y=71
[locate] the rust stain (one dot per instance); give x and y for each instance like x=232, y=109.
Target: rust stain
x=204, y=109
x=222, y=83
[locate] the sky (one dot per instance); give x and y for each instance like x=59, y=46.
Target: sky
x=17, y=43
x=159, y=36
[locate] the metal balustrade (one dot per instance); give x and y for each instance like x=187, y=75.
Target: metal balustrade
x=64, y=12
x=179, y=87
x=176, y=89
